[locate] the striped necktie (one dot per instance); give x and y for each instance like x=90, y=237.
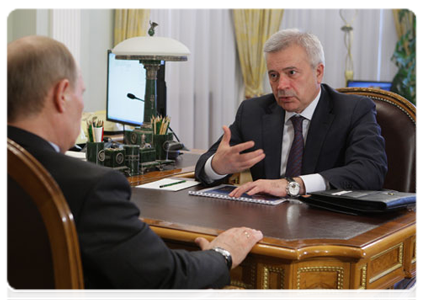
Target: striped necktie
x=293, y=167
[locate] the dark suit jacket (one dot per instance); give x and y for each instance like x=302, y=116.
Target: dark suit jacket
x=118, y=250
x=343, y=144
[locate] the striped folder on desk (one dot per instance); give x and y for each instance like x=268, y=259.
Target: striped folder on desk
x=223, y=191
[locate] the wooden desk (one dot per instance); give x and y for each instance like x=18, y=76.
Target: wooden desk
x=303, y=248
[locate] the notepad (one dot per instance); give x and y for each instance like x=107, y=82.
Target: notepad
x=79, y=155
x=170, y=184
x=223, y=191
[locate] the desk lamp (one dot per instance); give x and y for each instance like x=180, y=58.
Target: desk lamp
x=150, y=51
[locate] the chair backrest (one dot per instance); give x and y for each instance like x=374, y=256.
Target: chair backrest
x=397, y=119
x=42, y=244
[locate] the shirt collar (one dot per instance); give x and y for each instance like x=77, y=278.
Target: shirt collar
x=308, y=111
x=55, y=146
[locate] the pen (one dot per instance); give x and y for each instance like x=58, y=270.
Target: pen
x=169, y=184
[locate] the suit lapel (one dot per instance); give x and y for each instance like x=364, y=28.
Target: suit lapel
x=319, y=126
x=272, y=124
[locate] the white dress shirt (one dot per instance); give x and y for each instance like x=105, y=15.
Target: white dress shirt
x=312, y=182
x=55, y=147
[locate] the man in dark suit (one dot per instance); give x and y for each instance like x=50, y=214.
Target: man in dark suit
x=339, y=146
x=118, y=250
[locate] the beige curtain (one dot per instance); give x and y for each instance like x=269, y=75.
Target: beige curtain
x=130, y=23
x=252, y=28
x=404, y=25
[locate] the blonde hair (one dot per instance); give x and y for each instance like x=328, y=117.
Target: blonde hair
x=35, y=64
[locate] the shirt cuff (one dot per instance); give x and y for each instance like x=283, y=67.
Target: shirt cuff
x=210, y=173
x=314, y=183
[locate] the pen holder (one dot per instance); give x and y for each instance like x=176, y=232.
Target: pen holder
x=95, y=153
x=98, y=134
x=132, y=158
x=159, y=140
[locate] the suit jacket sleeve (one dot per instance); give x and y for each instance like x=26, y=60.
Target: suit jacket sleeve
x=236, y=138
x=121, y=251
x=362, y=155
x=344, y=142
x=118, y=250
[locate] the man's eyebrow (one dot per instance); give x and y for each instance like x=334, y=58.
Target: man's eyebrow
x=289, y=68
x=284, y=69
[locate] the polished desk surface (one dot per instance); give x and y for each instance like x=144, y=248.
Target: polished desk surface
x=290, y=224
x=303, y=247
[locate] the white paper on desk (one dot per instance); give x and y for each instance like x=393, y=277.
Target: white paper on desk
x=177, y=187
x=80, y=155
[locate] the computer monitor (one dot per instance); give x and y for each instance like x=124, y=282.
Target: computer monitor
x=384, y=85
x=129, y=77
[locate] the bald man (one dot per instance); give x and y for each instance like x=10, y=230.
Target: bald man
x=118, y=250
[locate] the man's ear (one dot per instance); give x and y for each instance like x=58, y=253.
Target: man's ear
x=320, y=70
x=61, y=93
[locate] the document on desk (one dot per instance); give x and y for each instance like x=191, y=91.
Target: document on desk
x=223, y=191
x=79, y=155
x=170, y=184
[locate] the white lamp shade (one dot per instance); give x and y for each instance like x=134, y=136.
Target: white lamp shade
x=154, y=48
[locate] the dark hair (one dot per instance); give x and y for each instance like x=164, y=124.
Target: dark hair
x=35, y=64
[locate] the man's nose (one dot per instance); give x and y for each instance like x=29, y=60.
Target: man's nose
x=283, y=83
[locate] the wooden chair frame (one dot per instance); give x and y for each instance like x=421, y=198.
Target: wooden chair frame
x=57, y=217
x=403, y=105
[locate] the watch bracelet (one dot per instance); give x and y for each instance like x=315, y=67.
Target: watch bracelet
x=226, y=255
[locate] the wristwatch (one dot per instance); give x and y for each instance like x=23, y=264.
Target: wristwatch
x=293, y=187
x=226, y=254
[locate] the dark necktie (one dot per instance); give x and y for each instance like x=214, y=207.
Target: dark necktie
x=293, y=166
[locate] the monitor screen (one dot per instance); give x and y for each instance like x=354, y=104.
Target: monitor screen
x=128, y=77
x=384, y=85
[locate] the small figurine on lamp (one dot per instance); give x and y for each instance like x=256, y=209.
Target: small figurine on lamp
x=348, y=38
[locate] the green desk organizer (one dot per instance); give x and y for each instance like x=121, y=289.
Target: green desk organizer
x=159, y=140
x=132, y=158
x=115, y=157
x=138, y=136
x=95, y=153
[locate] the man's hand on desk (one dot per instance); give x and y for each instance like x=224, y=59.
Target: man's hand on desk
x=229, y=160
x=238, y=241
x=275, y=187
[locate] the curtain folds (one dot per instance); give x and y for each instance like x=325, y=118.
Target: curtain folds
x=130, y=23
x=252, y=28
x=404, y=25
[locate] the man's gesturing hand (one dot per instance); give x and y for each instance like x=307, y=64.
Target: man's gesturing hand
x=238, y=241
x=229, y=160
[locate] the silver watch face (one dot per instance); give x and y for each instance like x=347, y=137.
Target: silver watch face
x=294, y=188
